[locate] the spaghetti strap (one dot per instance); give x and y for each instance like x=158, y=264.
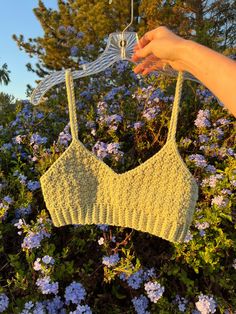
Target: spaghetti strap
x=175, y=109
x=72, y=107
x=71, y=104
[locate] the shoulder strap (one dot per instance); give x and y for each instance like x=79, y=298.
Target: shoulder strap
x=175, y=109
x=71, y=103
x=72, y=107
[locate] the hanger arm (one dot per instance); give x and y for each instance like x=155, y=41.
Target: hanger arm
x=119, y=47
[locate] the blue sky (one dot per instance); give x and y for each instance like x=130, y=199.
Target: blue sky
x=18, y=18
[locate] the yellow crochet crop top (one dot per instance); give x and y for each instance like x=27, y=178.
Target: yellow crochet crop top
x=158, y=196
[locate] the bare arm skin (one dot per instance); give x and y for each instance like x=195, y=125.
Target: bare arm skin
x=216, y=71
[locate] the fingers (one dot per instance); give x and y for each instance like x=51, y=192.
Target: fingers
x=142, y=53
x=143, y=41
x=146, y=63
x=147, y=67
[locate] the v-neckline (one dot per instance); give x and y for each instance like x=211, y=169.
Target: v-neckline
x=103, y=164
x=170, y=138
x=123, y=174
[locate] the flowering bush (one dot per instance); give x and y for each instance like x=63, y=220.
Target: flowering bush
x=108, y=269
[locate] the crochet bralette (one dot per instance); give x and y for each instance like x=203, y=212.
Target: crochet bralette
x=158, y=196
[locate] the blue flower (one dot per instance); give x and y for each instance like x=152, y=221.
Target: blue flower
x=203, y=138
x=48, y=259
x=199, y=160
x=70, y=29
x=154, y=290
x=74, y=51
x=206, y=304
x=39, y=115
x=22, y=211
x=135, y=280
x=181, y=303
x=75, y=293
x=89, y=47
x=138, y=125
x=4, y=301
x=121, y=66
x=80, y=35
x=156, y=94
x=37, y=139
x=115, y=118
x=6, y=146
x=103, y=227
x=29, y=305
x=150, y=113
x=33, y=185
x=140, y=304
x=111, y=260
x=61, y=28
x=8, y=199
x=45, y=286
x=202, y=119
x=82, y=309
x=32, y=240
x=54, y=306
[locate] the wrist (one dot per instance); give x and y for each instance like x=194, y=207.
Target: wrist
x=185, y=55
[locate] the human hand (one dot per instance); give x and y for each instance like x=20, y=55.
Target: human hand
x=158, y=47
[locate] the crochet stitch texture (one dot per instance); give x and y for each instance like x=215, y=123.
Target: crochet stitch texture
x=159, y=196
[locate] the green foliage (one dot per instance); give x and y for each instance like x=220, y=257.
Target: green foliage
x=4, y=75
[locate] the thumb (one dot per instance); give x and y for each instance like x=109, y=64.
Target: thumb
x=144, y=52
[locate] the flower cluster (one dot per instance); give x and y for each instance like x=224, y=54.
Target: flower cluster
x=64, y=136
x=75, y=293
x=203, y=138
x=206, y=304
x=47, y=260
x=201, y=227
x=46, y=286
x=212, y=180
x=154, y=290
x=111, y=260
x=205, y=95
x=113, y=120
x=199, y=160
x=137, y=125
x=23, y=211
x=33, y=239
x=182, y=302
x=188, y=237
x=36, y=235
x=220, y=201
x=150, y=113
x=202, y=119
x=33, y=185
x=4, y=301
x=103, y=150
x=52, y=306
x=140, y=304
x=81, y=309
x=37, y=139
x=136, y=279
x=20, y=176
x=103, y=227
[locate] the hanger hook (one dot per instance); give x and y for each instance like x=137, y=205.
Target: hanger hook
x=132, y=16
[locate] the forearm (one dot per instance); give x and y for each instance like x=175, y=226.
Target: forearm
x=215, y=71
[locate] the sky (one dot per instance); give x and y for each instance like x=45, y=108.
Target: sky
x=17, y=17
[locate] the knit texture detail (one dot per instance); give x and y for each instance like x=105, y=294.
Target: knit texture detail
x=158, y=196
